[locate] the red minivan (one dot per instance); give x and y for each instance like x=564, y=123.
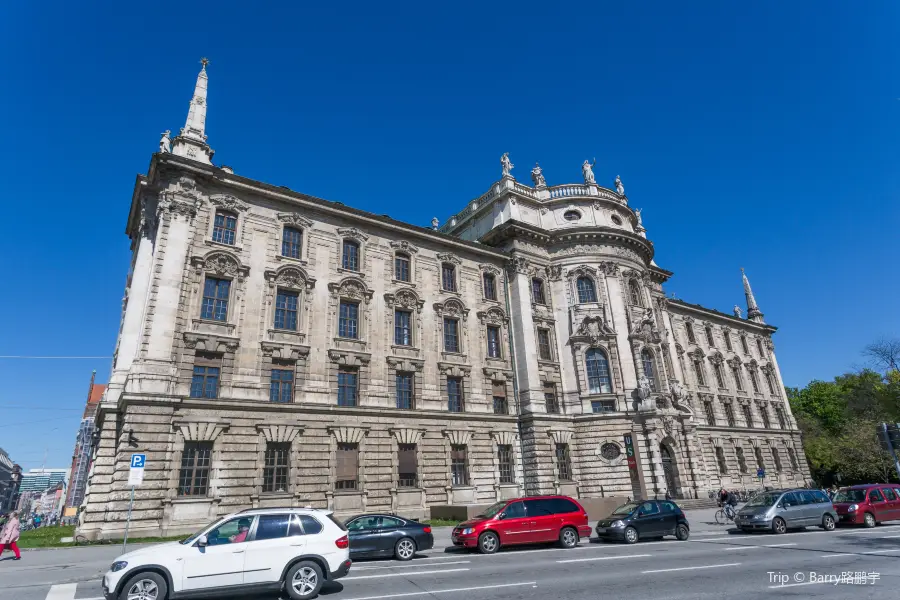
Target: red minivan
x=868, y=504
x=532, y=520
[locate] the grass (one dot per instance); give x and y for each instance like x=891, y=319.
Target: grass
x=441, y=522
x=49, y=537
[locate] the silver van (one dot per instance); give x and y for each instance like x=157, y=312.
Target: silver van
x=780, y=510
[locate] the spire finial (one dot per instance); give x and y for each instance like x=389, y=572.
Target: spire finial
x=192, y=140
x=753, y=312
x=204, y=61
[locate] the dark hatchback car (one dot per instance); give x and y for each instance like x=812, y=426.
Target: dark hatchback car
x=644, y=520
x=380, y=535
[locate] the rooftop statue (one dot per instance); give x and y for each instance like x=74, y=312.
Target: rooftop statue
x=620, y=189
x=506, y=164
x=587, y=169
x=537, y=176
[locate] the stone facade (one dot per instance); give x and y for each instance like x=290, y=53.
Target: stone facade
x=279, y=349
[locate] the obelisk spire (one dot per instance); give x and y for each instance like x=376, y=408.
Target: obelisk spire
x=191, y=142
x=753, y=312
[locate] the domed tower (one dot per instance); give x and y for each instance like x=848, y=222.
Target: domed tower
x=589, y=338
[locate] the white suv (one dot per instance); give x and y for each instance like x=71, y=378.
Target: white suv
x=274, y=549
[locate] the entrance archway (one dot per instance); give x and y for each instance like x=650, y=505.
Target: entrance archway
x=669, y=469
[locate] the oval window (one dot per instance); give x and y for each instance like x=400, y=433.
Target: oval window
x=616, y=220
x=571, y=215
x=610, y=451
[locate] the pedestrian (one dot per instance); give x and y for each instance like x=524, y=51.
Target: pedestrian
x=10, y=535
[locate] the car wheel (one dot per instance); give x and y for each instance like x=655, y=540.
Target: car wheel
x=828, y=523
x=631, y=535
x=304, y=580
x=568, y=537
x=145, y=586
x=682, y=533
x=405, y=549
x=488, y=542
x=869, y=520
x=778, y=525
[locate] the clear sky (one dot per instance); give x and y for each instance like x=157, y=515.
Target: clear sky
x=763, y=136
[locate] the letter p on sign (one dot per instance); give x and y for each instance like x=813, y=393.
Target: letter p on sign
x=138, y=460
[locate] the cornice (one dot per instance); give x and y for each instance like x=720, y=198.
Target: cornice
x=737, y=322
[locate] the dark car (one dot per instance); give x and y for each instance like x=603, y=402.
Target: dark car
x=644, y=520
x=377, y=535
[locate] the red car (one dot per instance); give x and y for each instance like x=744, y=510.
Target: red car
x=868, y=504
x=532, y=520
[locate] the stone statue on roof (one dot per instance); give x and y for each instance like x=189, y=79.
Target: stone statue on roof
x=537, y=176
x=620, y=189
x=737, y=311
x=506, y=164
x=165, y=144
x=587, y=170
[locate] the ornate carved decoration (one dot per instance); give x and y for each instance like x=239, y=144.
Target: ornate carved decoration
x=495, y=374
x=645, y=329
x=697, y=353
x=407, y=435
x=560, y=436
x=348, y=358
x=507, y=438
x=449, y=257
x=404, y=246
x=284, y=351
x=276, y=433
x=593, y=329
x=735, y=362
x=228, y=202
x=457, y=437
x=169, y=205
x=294, y=219
x=554, y=272
x=518, y=264
x=486, y=268
x=405, y=364
x=451, y=308
x=581, y=270
x=716, y=357
x=220, y=262
x=492, y=316
x=201, y=429
x=679, y=349
x=348, y=435
x=351, y=288
x=352, y=233
x=290, y=276
x=404, y=298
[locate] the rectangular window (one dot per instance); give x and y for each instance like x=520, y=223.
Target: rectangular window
x=493, y=341
x=550, y=400
x=505, y=460
x=224, y=227
x=499, y=394
x=738, y=380
x=769, y=383
x=720, y=380
x=455, y=400
x=759, y=347
x=405, y=398
x=710, y=415
x=347, y=466
x=448, y=277
x=291, y=240
x=537, y=291
x=403, y=328
x=215, y=299
x=275, y=471
x=459, y=465
x=350, y=258
x=748, y=414
x=690, y=333
x=348, y=387
x=729, y=415
x=401, y=267
x=782, y=422
x=728, y=341
x=281, y=388
x=205, y=380
x=709, y=338
x=544, y=351
x=193, y=478
x=286, y=310
x=348, y=323
x=765, y=417
x=754, y=381
x=698, y=371
x=603, y=406
x=407, y=466
x=451, y=335
x=490, y=286
x=744, y=345
x=564, y=462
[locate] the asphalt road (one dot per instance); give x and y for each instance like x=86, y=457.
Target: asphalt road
x=712, y=564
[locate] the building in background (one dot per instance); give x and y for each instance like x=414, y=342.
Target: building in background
x=10, y=475
x=34, y=487
x=81, y=457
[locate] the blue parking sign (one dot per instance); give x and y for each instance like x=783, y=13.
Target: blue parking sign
x=138, y=461
x=760, y=473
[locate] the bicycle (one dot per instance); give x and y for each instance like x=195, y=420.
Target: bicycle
x=725, y=515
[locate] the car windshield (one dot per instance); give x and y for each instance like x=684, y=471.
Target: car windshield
x=850, y=496
x=763, y=500
x=492, y=510
x=626, y=509
x=193, y=537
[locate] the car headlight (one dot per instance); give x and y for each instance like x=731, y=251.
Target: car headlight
x=853, y=508
x=118, y=565
x=468, y=531
x=617, y=524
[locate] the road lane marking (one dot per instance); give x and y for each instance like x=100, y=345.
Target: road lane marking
x=450, y=591
x=890, y=537
x=64, y=591
x=401, y=574
x=838, y=532
x=407, y=566
x=764, y=546
x=576, y=560
x=837, y=555
x=787, y=585
x=880, y=551
x=691, y=568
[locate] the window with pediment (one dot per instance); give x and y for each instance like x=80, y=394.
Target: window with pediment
x=649, y=368
x=218, y=276
x=598, y=375
x=587, y=291
x=402, y=265
x=224, y=227
x=452, y=317
x=489, y=285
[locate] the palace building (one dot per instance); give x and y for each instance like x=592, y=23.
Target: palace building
x=279, y=349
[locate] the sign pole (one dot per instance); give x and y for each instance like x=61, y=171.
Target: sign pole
x=890, y=446
x=128, y=521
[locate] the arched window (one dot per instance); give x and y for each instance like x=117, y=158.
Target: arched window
x=224, y=227
x=635, y=293
x=647, y=363
x=597, y=371
x=586, y=290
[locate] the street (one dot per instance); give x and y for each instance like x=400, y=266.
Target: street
x=713, y=563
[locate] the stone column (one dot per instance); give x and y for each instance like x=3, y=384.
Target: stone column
x=522, y=330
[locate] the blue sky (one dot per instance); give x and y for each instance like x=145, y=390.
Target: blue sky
x=763, y=136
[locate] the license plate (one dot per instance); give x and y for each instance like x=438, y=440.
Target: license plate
x=601, y=530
